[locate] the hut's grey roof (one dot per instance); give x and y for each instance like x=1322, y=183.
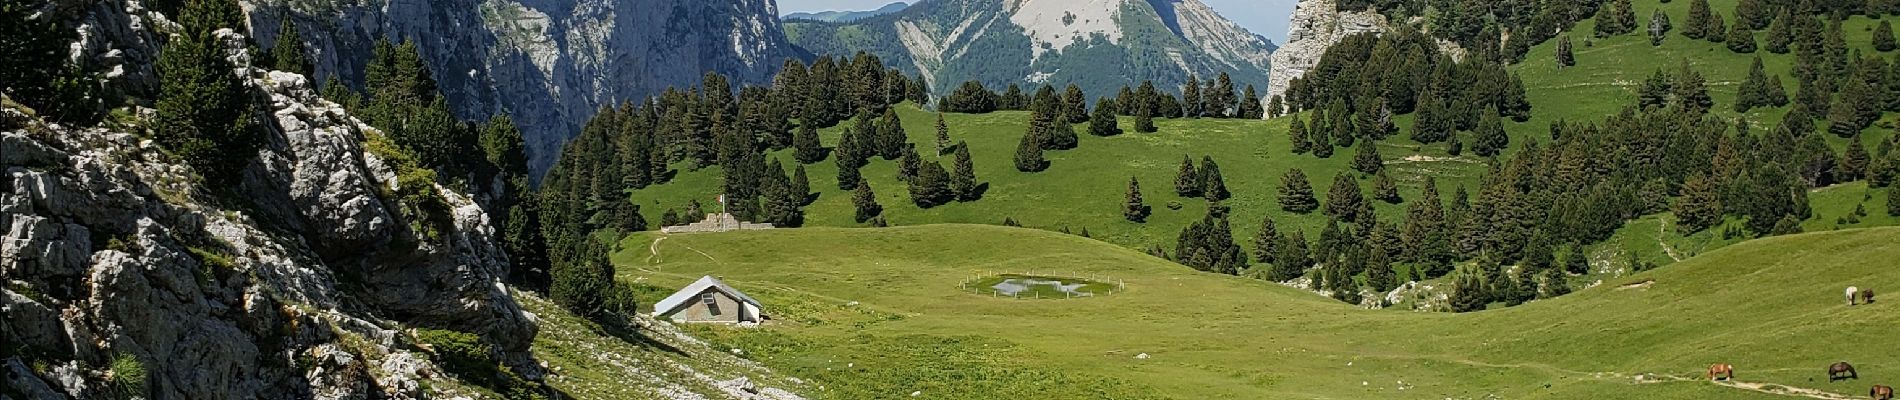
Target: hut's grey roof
x=686, y=295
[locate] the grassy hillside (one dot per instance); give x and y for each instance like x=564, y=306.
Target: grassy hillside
x=865, y=313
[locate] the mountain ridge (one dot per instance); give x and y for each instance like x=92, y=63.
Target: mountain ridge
x=846, y=15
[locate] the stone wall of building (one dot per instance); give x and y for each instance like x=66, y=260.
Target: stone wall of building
x=721, y=222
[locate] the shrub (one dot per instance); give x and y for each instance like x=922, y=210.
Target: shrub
x=129, y=378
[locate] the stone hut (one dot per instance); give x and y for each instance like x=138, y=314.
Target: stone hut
x=709, y=300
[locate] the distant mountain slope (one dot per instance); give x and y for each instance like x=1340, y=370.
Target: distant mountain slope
x=549, y=64
x=1097, y=44
x=847, y=16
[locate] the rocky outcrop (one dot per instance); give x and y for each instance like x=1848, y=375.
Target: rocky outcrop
x=549, y=64
x=1317, y=25
x=125, y=275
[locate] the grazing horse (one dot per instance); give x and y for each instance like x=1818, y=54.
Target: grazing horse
x=1841, y=371
x=1866, y=296
x=1881, y=392
x=1852, y=293
x=1721, y=372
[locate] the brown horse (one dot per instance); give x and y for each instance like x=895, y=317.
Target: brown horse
x=1841, y=371
x=1866, y=296
x=1881, y=392
x=1721, y=372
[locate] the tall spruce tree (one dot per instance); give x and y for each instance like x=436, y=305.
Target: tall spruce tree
x=1385, y=189
x=1659, y=27
x=1883, y=37
x=1753, y=14
x=1740, y=39
x=1695, y=26
x=963, y=181
x=1780, y=32
x=1029, y=153
x=1250, y=106
x=1296, y=193
x=782, y=203
x=1266, y=244
x=1565, y=56
x=931, y=186
x=1103, y=122
x=1296, y=133
x=288, y=54
x=891, y=139
x=1187, y=182
x=865, y=202
x=1195, y=106
x=1213, y=186
x=1134, y=209
x=943, y=135
x=1489, y=139
x=1344, y=199
x=807, y=148
x=801, y=186
x=1075, y=105
x=1293, y=260
x=1366, y=159
x=204, y=111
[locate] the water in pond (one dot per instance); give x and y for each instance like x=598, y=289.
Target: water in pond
x=1012, y=286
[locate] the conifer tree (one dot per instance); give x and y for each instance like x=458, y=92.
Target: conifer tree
x=1468, y=294
x=1321, y=135
x=1853, y=163
x=1565, y=57
x=1213, y=187
x=1698, y=21
x=807, y=148
x=1187, y=182
x=1699, y=207
x=1075, y=106
x=1379, y=274
x=907, y=166
x=1654, y=92
x=1221, y=100
x=931, y=186
x=1753, y=14
x=1344, y=199
x=1717, y=29
x=1575, y=261
x=943, y=135
x=1366, y=159
x=1615, y=18
x=1296, y=193
x=1060, y=136
x=848, y=176
x=1134, y=209
x=1691, y=91
x=1754, y=90
x=1250, y=106
x=1029, y=153
x=1489, y=139
x=865, y=202
x=891, y=139
x=801, y=186
x=1013, y=99
x=1292, y=260
x=782, y=201
x=1883, y=36
x=1659, y=27
x=1296, y=133
x=1780, y=33
x=1195, y=106
x=1266, y=244
x=1740, y=39
x=204, y=112
x=1144, y=121
x=1385, y=189
x=1893, y=202
x=963, y=180
x=288, y=54
x=1555, y=284
x=1103, y=122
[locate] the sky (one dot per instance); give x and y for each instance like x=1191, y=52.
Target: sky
x=1263, y=17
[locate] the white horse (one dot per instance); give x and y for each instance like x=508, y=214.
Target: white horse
x=1852, y=293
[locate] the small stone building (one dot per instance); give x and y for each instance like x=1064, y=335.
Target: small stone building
x=721, y=222
x=709, y=300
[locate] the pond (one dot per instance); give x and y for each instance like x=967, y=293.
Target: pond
x=1026, y=286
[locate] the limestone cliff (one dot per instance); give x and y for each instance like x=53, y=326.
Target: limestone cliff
x=121, y=269
x=1316, y=26
x=550, y=64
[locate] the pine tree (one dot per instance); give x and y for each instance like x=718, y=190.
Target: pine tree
x=865, y=202
x=1698, y=21
x=1717, y=29
x=1103, y=122
x=1144, y=121
x=1700, y=207
x=1213, y=187
x=1367, y=160
x=1853, y=163
x=1489, y=139
x=848, y=176
x=782, y=201
x=963, y=180
x=1691, y=91
x=1060, y=136
x=891, y=139
x=1075, y=105
x=1468, y=294
x=1615, y=18
x=1266, y=243
x=808, y=150
x=907, y=166
x=1135, y=209
x=1296, y=194
x=1883, y=37
x=288, y=54
x=1296, y=133
x=1565, y=57
x=1250, y=106
x=1013, y=99
x=1195, y=107
x=801, y=186
x=1659, y=27
x=1754, y=91
x=943, y=135
x=931, y=186
x=1780, y=33
x=1740, y=39
x=1385, y=189
x=204, y=111
x=1893, y=202
x=1344, y=199
x=1187, y=182
x=1292, y=261
x=1029, y=153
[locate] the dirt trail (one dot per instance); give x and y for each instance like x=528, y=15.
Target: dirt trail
x=653, y=250
x=1760, y=387
x=1662, y=231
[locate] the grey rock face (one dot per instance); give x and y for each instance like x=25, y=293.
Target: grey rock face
x=550, y=64
x=112, y=253
x=1317, y=25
